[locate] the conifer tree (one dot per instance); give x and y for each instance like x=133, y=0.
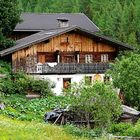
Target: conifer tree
x=10, y=16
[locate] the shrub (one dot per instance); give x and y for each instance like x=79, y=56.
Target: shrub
x=126, y=129
x=133, y=131
x=120, y=128
x=97, y=102
x=125, y=73
x=5, y=68
x=22, y=84
x=84, y=132
x=43, y=87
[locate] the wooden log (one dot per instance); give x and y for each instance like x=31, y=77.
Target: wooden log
x=57, y=118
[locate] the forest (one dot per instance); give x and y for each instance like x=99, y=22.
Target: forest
x=118, y=19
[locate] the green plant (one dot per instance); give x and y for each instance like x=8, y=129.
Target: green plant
x=17, y=106
x=126, y=129
x=21, y=130
x=5, y=68
x=119, y=128
x=125, y=74
x=97, y=102
x=23, y=84
x=89, y=133
x=10, y=16
x=43, y=87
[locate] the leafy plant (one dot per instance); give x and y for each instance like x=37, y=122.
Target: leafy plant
x=125, y=74
x=97, y=102
x=5, y=68
x=89, y=133
x=17, y=106
x=126, y=129
x=23, y=84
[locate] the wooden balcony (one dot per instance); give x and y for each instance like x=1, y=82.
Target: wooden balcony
x=71, y=68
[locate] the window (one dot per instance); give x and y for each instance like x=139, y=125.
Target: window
x=69, y=58
x=88, y=80
x=104, y=57
x=66, y=83
x=88, y=58
x=106, y=79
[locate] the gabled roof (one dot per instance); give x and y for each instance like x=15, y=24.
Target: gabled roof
x=45, y=35
x=48, y=21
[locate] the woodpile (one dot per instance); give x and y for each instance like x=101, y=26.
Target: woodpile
x=129, y=114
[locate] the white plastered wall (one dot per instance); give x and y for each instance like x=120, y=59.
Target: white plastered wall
x=75, y=78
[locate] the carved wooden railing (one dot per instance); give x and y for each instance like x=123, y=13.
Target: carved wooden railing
x=71, y=68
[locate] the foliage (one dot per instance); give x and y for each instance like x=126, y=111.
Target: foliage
x=43, y=87
x=96, y=102
x=89, y=133
x=10, y=16
x=120, y=128
x=23, y=84
x=17, y=106
x=125, y=74
x=5, y=68
x=126, y=129
x=5, y=42
x=13, y=129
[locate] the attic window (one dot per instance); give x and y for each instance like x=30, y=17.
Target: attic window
x=63, y=22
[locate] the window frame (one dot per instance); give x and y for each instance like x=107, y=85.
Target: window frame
x=104, y=57
x=88, y=58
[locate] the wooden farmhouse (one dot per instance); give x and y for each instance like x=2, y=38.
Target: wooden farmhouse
x=61, y=47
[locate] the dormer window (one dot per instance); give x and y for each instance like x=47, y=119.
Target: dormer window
x=63, y=22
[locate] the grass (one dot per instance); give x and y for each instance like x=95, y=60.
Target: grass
x=20, y=130
x=23, y=119
x=12, y=129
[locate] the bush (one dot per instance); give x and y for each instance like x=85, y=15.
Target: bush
x=97, y=102
x=84, y=132
x=126, y=129
x=120, y=128
x=43, y=87
x=5, y=68
x=23, y=84
x=125, y=73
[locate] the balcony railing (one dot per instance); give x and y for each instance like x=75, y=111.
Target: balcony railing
x=71, y=68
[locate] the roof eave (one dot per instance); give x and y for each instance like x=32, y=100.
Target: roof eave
x=123, y=46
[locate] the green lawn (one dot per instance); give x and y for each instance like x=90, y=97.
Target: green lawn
x=23, y=130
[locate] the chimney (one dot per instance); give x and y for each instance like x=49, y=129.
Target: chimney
x=63, y=22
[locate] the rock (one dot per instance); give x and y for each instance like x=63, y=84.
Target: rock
x=2, y=106
x=33, y=96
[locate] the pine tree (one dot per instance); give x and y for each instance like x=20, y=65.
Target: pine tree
x=10, y=16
